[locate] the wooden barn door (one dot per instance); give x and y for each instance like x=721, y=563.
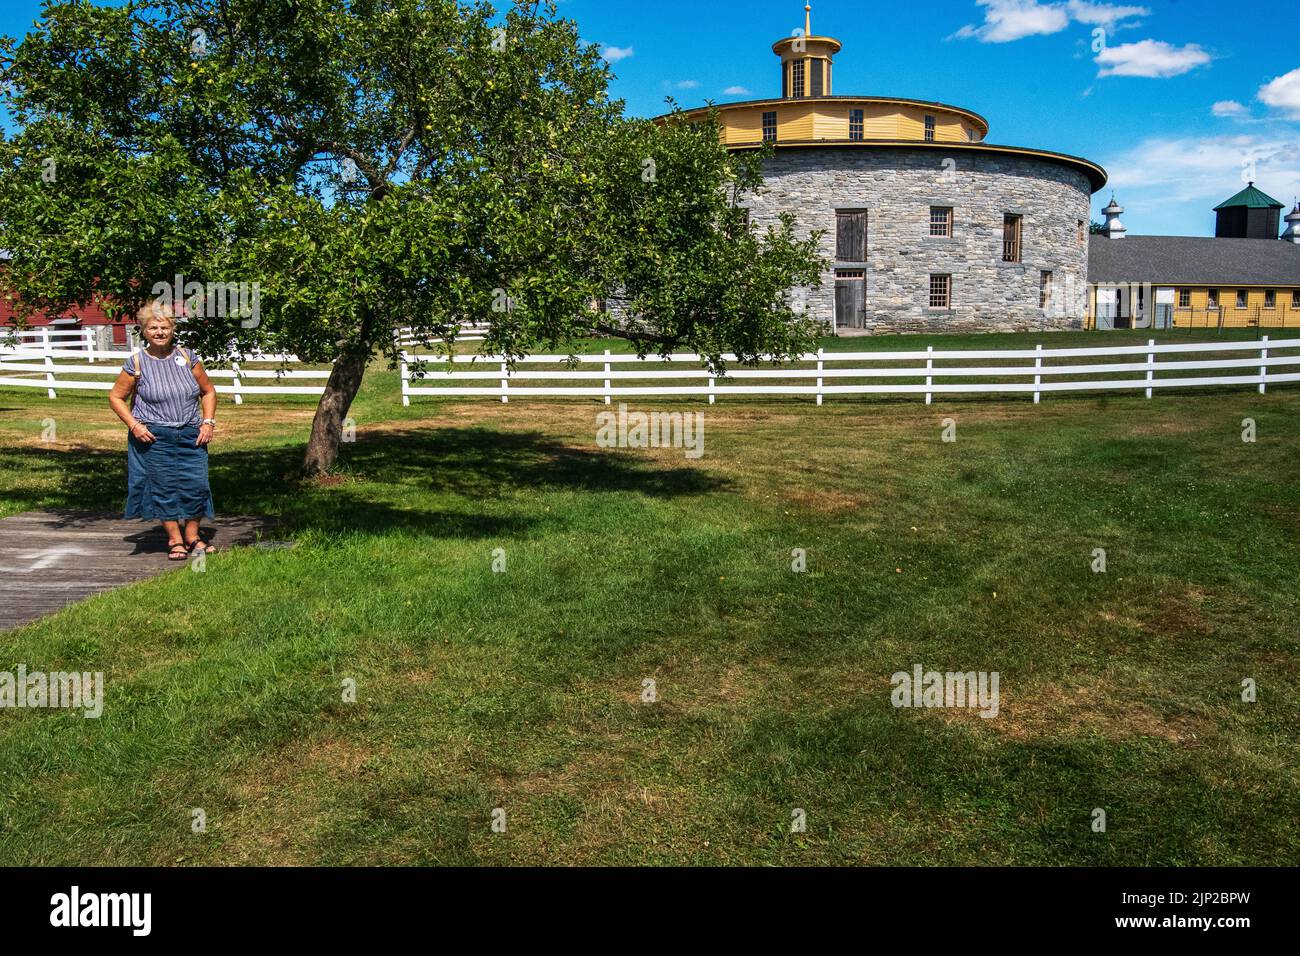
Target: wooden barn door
x=850, y=298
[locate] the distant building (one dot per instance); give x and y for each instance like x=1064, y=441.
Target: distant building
x=1250, y=214
x=80, y=317
x=1242, y=278
x=926, y=225
x=90, y=316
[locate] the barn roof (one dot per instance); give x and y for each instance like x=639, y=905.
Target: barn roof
x=1193, y=260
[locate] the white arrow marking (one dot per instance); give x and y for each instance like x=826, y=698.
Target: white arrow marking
x=43, y=559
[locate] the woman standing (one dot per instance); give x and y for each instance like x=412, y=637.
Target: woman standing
x=167, y=453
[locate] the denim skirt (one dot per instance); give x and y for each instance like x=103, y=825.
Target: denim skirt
x=167, y=479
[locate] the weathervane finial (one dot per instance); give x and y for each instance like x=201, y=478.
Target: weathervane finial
x=807, y=19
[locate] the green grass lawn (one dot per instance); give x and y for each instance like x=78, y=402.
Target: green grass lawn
x=523, y=690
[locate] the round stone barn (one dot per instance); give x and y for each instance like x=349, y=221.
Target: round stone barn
x=926, y=225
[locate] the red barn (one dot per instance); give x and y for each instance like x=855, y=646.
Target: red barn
x=81, y=317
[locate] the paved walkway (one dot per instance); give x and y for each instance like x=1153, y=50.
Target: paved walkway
x=49, y=559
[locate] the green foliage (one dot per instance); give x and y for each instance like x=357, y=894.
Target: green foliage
x=372, y=164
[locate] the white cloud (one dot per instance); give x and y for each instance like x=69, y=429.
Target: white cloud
x=1103, y=14
x=736, y=91
x=1007, y=20
x=1150, y=58
x=1228, y=108
x=1283, y=93
x=685, y=84
x=1203, y=171
x=615, y=53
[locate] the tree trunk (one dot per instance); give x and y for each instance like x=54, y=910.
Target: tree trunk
x=327, y=427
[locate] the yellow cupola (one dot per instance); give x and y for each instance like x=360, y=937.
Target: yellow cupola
x=806, y=61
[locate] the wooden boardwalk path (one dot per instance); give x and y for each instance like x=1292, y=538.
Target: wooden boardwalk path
x=49, y=559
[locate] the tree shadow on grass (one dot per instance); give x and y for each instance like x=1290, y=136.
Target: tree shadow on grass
x=380, y=474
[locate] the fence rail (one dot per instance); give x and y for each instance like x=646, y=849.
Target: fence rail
x=1283, y=316
x=467, y=332
x=824, y=368
x=44, y=339
x=40, y=364
x=927, y=373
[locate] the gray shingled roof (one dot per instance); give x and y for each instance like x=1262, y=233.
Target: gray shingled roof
x=1192, y=260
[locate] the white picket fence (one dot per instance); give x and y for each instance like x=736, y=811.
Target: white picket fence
x=44, y=339
x=44, y=372
x=468, y=332
x=1044, y=370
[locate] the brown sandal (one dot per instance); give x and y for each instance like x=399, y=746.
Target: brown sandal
x=177, y=551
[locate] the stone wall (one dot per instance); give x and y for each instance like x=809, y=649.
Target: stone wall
x=897, y=187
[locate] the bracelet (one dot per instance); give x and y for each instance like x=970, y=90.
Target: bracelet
x=209, y=421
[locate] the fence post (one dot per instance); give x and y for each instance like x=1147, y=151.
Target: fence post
x=1151, y=361
x=406, y=381
x=820, y=369
x=88, y=343
x=236, y=384
x=47, y=348
x=505, y=383
x=1263, y=368
x=607, y=394
x=711, y=396
x=1038, y=373
x=929, y=379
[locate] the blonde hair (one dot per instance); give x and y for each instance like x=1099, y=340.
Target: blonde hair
x=156, y=311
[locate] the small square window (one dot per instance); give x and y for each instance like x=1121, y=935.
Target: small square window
x=1184, y=298
x=857, y=128
x=941, y=221
x=940, y=291
x=1295, y=300
x=1241, y=298
x=1044, y=289
x=769, y=127
x=1270, y=298
x=929, y=129
x=1211, y=298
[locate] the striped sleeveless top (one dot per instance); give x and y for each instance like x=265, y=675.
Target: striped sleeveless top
x=165, y=390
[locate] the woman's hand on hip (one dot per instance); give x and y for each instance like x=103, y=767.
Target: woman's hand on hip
x=205, y=435
x=141, y=432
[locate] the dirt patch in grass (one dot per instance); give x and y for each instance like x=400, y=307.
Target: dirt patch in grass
x=1180, y=614
x=1054, y=710
x=827, y=501
x=281, y=798
x=1163, y=428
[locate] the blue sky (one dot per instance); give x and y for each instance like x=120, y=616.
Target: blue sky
x=1183, y=93
x=1145, y=108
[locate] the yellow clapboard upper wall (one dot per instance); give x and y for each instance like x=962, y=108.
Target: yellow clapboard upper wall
x=809, y=111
